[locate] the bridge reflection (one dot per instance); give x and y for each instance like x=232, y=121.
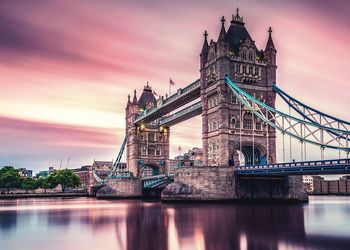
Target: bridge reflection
x=153, y=225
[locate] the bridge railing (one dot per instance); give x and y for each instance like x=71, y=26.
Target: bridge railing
x=298, y=164
x=180, y=92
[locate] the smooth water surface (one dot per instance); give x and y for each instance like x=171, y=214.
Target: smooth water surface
x=86, y=223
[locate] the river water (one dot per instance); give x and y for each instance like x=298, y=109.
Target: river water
x=87, y=223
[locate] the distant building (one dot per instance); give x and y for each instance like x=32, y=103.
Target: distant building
x=45, y=173
x=25, y=172
x=317, y=185
x=193, y=157
x=83, y=173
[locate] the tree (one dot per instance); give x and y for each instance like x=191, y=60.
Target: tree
x=29, y=184
x=43, y=183
x=67, y=178
x=9, y=178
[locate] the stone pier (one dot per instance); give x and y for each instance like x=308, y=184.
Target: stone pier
x=220, y=183
x=121, y=188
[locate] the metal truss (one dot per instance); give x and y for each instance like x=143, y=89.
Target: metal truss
x=312, y=114
x=304, y=130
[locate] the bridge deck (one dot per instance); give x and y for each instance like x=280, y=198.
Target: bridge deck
x=339, y=166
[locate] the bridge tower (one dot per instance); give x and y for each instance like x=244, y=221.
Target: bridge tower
x=228, y=130
x=147, y=149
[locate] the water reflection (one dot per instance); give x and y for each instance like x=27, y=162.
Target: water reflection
x=93, y=224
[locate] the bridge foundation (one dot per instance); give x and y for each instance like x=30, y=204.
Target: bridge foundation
x=220, y=183
x=121, y=188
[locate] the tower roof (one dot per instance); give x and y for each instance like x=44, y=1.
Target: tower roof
x=147, y=97
x=237, y=33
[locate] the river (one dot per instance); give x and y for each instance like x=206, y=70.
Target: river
x=87, y=223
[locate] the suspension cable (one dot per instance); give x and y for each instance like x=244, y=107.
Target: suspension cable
x=253, y=125
x=290, y=140
x=267, y=139
x=240, y=133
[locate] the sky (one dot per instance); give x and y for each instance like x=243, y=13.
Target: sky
x=66, y=67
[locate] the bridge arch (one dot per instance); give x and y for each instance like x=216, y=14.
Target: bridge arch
x=149, y=170
x=247, y=154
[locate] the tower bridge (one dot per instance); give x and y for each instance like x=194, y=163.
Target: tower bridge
x=235, y=96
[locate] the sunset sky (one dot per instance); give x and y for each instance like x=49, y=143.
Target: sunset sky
x=66, y=67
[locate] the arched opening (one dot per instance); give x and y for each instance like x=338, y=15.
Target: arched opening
x=149, y=170
x=247, y=155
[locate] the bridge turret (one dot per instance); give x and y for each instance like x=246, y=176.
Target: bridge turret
x=270, y=57
x=205, y=49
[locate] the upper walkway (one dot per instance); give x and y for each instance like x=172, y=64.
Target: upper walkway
x=180, y=98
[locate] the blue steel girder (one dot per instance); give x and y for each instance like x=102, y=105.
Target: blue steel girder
x=156, y=180
x=184, y=114
x=181, y=97
x=303, y=130
x=310, y=113
x=338, y=166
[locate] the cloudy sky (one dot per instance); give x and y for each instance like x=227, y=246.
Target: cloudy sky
x=66, y=67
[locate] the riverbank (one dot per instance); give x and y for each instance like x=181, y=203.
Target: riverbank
x=42, y=195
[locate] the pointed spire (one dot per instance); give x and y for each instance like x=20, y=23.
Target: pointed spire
x=134, y=101
x=205, y=44
x=270, y=45
x=129, y=102
x=222, y=35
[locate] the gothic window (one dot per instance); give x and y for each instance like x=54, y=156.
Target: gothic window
x=250, y=56
x=245, y=69
x=257, y=71
x=247, y=123
x=213, y=101
x=233, y=122
x=250, y=70
x=151, y=151
x=213, y=125
x=141, y=137
x=258, y=125
x=244, y=55
x=160, y=138
x=144, y=152
x=158, y=152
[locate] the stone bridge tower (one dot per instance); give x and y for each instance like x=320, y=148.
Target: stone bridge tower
x=230, y=134
x=147, y=149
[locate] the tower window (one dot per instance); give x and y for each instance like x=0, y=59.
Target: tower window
x=245, y=69
x=238, y=68
x=250, y=56
x=244, y=55
x=247, y=123
x=151, y=137
x=251, y=70
x=257, y=71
